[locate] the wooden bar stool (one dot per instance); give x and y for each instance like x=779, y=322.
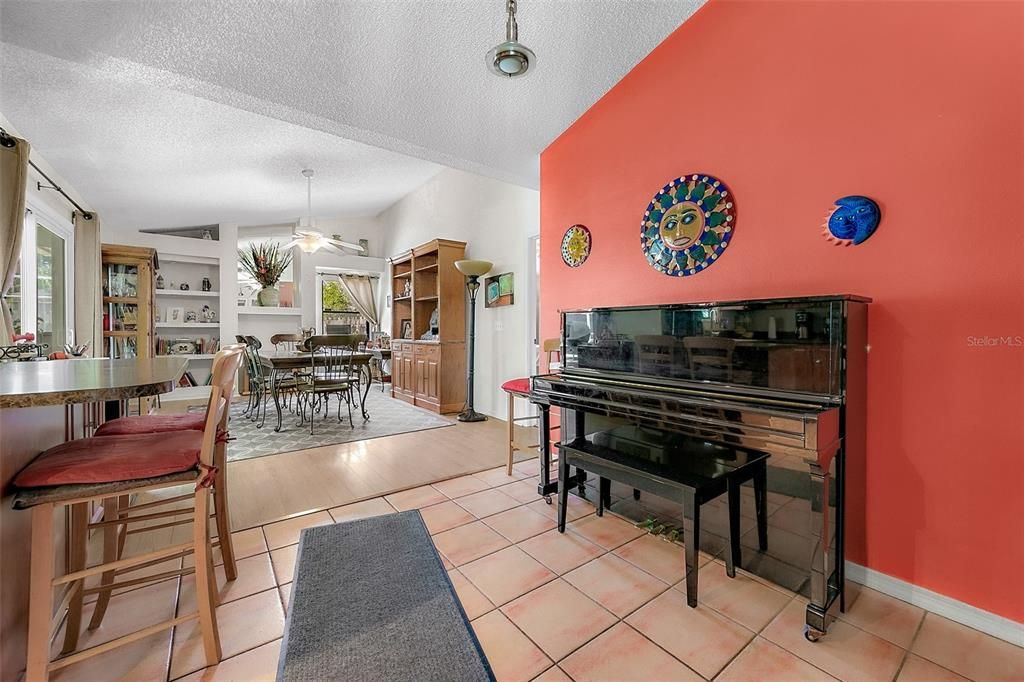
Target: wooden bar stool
x=98, y=469
x=118, y=508
x=516, y=388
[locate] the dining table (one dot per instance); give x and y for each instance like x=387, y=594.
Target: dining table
x=284, y=363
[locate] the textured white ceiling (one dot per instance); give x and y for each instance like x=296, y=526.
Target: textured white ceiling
x=216, y=95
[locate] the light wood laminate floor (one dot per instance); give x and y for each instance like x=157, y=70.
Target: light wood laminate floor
x=275, y=487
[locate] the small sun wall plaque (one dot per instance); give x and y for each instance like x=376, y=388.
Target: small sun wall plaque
x=853, y=220
x=688, y=225
x=576, y=246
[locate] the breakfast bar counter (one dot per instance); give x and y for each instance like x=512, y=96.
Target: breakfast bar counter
x=71, y=382
x=38, y=402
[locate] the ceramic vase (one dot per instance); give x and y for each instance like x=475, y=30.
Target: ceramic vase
x=269, y=297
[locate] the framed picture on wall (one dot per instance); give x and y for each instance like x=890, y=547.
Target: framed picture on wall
x=406, y=328
x=499, y=290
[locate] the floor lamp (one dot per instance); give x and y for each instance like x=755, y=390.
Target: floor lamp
x=473, y=270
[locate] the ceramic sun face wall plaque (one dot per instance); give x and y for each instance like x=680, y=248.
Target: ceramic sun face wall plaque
x=852, y=221
x=576, y=246
x=688, y=225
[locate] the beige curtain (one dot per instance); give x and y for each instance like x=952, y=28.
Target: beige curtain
x=13, y=179
x=88, y=301
x=360, y=291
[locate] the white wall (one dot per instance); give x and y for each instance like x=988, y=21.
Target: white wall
x=495, y=219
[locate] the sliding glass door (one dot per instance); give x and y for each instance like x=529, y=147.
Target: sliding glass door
x=51, y=289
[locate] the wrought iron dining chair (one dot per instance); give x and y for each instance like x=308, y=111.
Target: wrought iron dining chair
x=285, y=382
x=259, y=381
x=332, y=371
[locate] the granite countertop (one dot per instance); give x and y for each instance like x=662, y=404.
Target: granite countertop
x=68, y=382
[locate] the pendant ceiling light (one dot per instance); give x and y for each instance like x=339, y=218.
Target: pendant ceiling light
x=306, y=237
x=511, y=58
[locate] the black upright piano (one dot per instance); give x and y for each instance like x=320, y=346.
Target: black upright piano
x=782, y=376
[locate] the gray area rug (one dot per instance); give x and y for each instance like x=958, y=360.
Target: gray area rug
x=388, y=416
x=371, y=601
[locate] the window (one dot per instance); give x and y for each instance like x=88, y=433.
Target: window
x=337, y=314
x=41, y=299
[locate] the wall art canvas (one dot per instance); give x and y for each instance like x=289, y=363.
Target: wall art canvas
x=499, y=290
x=688, y=225
x=853, y=220
x=576, y=243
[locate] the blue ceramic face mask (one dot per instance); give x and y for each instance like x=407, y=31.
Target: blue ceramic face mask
x=854, y=220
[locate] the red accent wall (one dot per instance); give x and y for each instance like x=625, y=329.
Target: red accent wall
x=795, y=104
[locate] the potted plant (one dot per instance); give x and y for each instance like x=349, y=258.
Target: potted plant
x=265, y=263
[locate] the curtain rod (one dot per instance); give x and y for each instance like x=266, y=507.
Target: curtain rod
x=7, y=141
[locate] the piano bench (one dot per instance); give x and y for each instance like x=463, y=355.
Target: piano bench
x=705, y=477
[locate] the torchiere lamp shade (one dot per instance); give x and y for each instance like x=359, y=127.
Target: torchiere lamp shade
x=474, y=268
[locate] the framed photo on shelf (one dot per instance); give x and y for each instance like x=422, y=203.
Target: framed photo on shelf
x=176, y=315
x=498, y=290
x=406, y=328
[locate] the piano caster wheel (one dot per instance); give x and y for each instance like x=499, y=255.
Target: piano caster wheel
x=812, y=634
x=547, y=499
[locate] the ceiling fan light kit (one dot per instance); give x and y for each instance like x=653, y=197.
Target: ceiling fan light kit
x=306, y=237
x=511, y=58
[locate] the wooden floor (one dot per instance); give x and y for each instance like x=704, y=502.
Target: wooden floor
x=278, y=486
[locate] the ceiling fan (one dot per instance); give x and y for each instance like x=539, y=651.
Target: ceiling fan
x=306, y=237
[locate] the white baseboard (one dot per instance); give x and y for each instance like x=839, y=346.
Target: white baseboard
x=971, y=616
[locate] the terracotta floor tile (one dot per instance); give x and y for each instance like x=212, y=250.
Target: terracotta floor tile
x=576, y=509
x=474, y=603
x=882, y=615
x=968, y=652
x=762, y=660
x=376, y=506
x=497, y=477
x=608, y=531
x=561, y=552
x=244, y=624
x=284, y=563
x=287, y=532
x=255, y=574
x=146, y=659
x=257, y=665
x=847, y=652
x=127, y=612
x=445, y=563
x=749, y=602
x=529, y=467
x=558, y=617
x=415, y=498
x=507, y=574
x=463, y=485
x=663, y=559
x=917, y=669
x=553, y=674
x=615, y=584
x=445, y=516
x=286, y=596
x=466, y=543
x=524, y=491
x=622, y=653
x=486, y=503
x=246, y=543
x=519, y=523
x=513, y=657
x=701, y=638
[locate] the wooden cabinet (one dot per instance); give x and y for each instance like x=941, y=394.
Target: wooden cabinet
x=127, y=283
x=429, y=326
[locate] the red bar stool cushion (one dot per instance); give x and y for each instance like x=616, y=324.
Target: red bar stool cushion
x=109, y=459
x=521, y=386
x=153, y=423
